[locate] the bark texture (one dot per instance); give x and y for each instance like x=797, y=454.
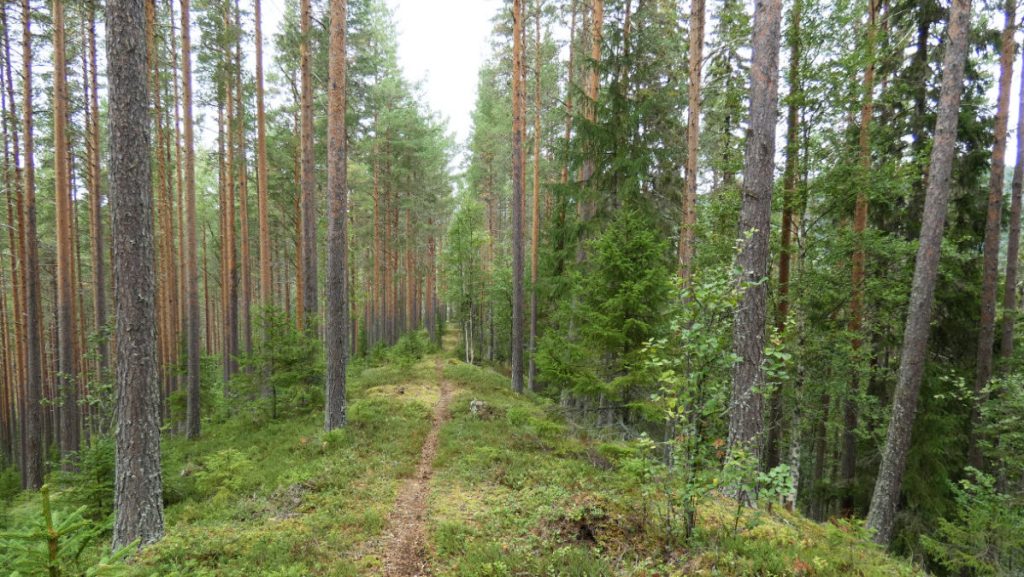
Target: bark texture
x=309, y=225
x=336, y=343
x=882, y=515
x=993, y=227
x=746, y=419
x=66, y=383
x=688, y=226
x=1013, y=239
x=34, y=422
x=518, y=129
x=138, y=488
x=192, y=270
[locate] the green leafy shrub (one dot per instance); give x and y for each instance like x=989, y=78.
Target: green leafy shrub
x=986, y=536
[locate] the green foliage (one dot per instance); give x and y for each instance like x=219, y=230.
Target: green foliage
x=224, y=474
x=91, y=485
x=56, y=543
x=285, y=368
x=986, y=536
x=464, y=269
x=618, y=305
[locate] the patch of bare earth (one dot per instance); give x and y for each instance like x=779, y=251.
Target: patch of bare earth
x=404, y=543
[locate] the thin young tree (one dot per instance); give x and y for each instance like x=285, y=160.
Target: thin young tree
x=882, y=514
x=336, y=344
x=138, y=490
x=746, y=419
x=993, y=227
x=518, y=129
x=192, y=270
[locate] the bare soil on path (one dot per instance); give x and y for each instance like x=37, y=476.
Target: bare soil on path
x=404, y=543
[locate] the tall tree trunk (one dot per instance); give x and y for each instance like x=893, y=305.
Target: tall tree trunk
x=309, y=218
x=993, y=229
x=773, y=448
x=192, y=271
x=518, y=128
x=266, y=286
x=848, y=467
x=66, y=378
x=336, y=344
x=569, y=87
x=34, y=418
x=535, y=222
x=882, y=515
x=96, y=202
x=17, y=238
x=138, y=487
x=746, y=419
x=687, y=228
x=245, y=308
x=229, y=246
x=1013, y=239
x=588, y=206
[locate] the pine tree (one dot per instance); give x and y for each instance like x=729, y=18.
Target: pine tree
x=192, y=427
x=882, y=515
x=746, y=406
x=138, y=488
x=336, y=344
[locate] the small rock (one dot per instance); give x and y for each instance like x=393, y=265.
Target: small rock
x=479, y=409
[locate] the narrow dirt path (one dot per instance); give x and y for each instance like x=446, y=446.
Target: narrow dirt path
x=404, y=543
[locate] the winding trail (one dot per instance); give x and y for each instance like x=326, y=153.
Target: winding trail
x=404, y=543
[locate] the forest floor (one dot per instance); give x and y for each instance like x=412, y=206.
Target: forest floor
x=418, y=483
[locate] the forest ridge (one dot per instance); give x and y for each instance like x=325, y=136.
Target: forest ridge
x=708, y=328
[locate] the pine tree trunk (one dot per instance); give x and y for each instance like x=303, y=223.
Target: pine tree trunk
x=245, y=270
x=518, y=126
x=773, y=448
x=569, y=86
x=192, y=426
x=266, y=285
x=746, y=419
x=535, y=222
x=309, y=213
x=688, y=226
x=66, y=377
x=138, y=487
x=35, y=426
x=993, y=229
x=336, y=344
x=882, y=515
x=96, y=202
x=1013, y=238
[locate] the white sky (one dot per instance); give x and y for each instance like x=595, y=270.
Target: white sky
x=441, y=43
x=444, y=43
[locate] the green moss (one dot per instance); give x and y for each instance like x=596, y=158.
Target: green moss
x=514, y=492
